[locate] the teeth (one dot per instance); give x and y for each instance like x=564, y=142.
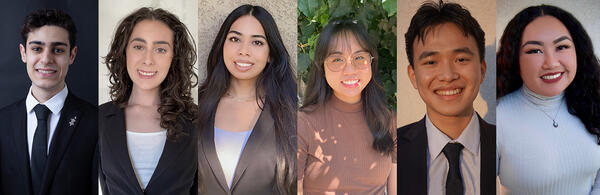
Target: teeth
x=146, y=73
x=550, y=77
x=448, y=92
x=46, y=71
x=243, y=64
x=350, y=82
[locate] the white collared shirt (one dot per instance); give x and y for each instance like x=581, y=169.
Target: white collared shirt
x=470, y=158
x=54, y=104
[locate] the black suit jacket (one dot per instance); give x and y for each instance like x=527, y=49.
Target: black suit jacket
x=72, y=159
x=255, y=172
x=174, y=174
x=412, y=158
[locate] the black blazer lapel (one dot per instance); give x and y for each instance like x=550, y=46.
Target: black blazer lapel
x=171, y=151
x=19, y=137
x=412, y=149
x=259, y=132
x=116, y=141
x=210, y=153
x=488, y=157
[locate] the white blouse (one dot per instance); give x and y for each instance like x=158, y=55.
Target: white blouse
x=229, y=146
x=145, y=150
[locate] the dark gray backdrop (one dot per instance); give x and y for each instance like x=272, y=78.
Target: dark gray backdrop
x=82, y=78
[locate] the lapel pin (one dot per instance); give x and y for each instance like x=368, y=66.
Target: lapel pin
x=72, y=122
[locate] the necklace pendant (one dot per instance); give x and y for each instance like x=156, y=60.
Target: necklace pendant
x=554, y=124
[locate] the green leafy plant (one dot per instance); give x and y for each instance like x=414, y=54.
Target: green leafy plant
x=378, y=16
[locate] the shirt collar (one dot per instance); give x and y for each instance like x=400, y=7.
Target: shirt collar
x=437, y=140
x=55, y=104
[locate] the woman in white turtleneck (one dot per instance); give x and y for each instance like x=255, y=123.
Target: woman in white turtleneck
x=548, y=134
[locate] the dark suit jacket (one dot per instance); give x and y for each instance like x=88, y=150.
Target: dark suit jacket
x=412, y=158
x=72, y=160
x=255, y=172
x=174, y=174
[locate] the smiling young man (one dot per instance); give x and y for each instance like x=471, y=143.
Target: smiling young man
x=49, y=137
x=451, y=150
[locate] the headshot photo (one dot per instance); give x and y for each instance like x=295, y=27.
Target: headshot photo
x=147, y=131
x=247, y=98
x=49, y=132
x=449, y=148
x=548, y=91
x=346, y=118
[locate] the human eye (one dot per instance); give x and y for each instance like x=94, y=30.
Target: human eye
x=428, y=62
x=58, y=50
x=36, y=49
x=161, y=50
x=258, y=43
x=234, y=39
x=533, y=51
x=563, y=47
x=463, y=59
x=138, y=47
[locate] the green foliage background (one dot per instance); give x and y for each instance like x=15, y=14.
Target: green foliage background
x=379, y=16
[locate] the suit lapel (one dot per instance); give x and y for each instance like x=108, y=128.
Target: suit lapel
x=413, y=171
x=210, y=153
x=488, y=157
x=19, y=135
x=170, y=152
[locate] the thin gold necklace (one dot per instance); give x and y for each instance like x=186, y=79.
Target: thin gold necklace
x=240, y=99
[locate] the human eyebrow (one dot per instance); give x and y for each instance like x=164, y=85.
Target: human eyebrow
x=235, y=32
x=532, y=43
x=138, y=39
x=59, y=44
x=36, y=43
x=259, y=36
x=162, y=42
x=464, y=50
x=561, y=39
x=427, y=54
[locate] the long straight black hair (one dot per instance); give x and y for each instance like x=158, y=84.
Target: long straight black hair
x=378, y=115
x=583, y=94
x=277, y=83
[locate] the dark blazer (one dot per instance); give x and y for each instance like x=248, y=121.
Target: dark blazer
x=174, y=174
x=72, y=160
x=412, y=155
x=255, y=172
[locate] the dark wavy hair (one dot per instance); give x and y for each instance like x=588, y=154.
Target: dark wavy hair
x=176, y=102
x=378, y=115
x=52, y=17
x=432, y=14
x=582, y=95
x=276, y=83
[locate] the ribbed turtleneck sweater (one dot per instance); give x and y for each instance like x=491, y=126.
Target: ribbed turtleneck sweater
x=534, y=157
x=335, y=152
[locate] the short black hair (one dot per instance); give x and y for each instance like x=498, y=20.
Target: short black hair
x=431, y=14
x=52, y=17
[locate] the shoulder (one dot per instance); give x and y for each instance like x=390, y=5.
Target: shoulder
x=80, y=103
x=12, y=107
x=108, y=107
x=508, y=102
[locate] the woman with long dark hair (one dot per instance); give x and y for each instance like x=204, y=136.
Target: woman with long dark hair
x=548, y=114
x=345, y=127
x=147, y=137
x=248, y=109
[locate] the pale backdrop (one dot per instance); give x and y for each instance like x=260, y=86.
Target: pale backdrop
x=111, y=12
x=212, y=13
x=410, y=106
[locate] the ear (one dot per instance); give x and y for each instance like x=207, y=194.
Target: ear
x=73, y=54
x=483, y=69
x=411, y=75
x=23, y=54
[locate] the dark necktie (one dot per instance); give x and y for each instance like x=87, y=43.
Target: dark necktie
x=39, y=149
x=454, y=181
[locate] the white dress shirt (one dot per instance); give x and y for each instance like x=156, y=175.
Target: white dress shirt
x=470, y=158
x=145, y=150
x=229, y=146
x=55, y=104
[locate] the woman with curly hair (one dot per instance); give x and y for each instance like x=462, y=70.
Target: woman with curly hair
x=548, y=138
x=248, y=109
x=148, y=138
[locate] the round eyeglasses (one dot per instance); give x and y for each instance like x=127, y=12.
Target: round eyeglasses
x=337, y=62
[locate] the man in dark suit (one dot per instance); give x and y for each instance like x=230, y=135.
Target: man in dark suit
x=451, y=150
x=49, y=138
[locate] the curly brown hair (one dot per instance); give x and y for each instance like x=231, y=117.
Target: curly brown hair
x=176, y=102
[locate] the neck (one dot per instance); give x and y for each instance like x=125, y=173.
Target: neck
x=144, y=97
x=43, y=95
x=242, y=88
x=452, y=126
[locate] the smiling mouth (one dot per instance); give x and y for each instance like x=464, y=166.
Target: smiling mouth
x=243, y=64
x=147, y=73
x=551, y=76
x=448, y=92
x=350, y=82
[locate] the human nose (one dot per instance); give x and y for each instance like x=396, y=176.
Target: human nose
x=447, y=71
x=550, y=61
x=349, y=66
x=47, y=57
x=243, y=50
x=149, y=58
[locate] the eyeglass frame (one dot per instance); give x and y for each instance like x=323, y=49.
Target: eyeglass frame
x=345, y=63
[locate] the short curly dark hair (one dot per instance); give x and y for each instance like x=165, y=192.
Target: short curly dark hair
x=51, y=17
x=176, y=102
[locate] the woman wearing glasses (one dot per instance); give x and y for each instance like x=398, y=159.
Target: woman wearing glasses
x=345, y=123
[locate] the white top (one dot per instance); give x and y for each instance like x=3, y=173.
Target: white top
x=145, y=150
x=470, y=157
x=229, y=146
x=534, y=157
x=54, y=104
